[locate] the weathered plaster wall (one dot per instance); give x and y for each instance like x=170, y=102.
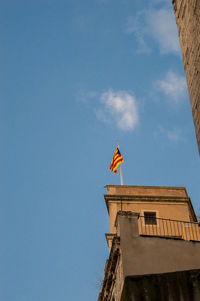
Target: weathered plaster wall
x=154, y=255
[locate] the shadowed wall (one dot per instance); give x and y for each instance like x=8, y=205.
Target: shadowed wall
x=178, y=286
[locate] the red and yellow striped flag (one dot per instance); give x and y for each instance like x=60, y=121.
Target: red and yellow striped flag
x=116, y=161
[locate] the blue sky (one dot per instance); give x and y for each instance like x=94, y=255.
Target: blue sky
x=75, y=77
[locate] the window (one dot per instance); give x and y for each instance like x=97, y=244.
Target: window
x=150, y=218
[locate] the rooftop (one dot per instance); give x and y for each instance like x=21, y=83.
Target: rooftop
x=147, y=191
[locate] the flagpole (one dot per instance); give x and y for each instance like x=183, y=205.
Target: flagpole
x=120, y=170
x=120, y=167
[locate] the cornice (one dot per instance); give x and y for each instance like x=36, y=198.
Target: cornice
x=148, y=187
x=110, y=197
x=146, y=198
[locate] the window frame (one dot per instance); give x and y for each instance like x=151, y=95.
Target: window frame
x=151, y=220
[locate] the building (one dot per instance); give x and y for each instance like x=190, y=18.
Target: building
x=154, y=245
x=187, y=14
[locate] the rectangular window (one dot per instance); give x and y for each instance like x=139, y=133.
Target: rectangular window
x=150, y=218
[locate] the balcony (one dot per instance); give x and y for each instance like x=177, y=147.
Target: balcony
x=168, y=228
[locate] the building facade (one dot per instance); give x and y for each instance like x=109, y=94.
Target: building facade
x=154, y=245
x=187, y=13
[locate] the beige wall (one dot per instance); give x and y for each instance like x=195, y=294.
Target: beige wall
x=176, y=211
x=167, y=202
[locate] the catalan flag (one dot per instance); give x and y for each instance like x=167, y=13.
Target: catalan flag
x=116, y=161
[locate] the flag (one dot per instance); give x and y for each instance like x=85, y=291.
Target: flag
x=116, y=161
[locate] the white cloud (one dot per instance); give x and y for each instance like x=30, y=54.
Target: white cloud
x=163, y=26
x=174, y=135
x=157, y=25
x=134, y=25
x=120, y=109
x=173, y=86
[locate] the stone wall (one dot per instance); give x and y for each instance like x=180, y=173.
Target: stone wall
x=119, y=282
x=187, y=14
x=178, y=286
x=113, y=274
